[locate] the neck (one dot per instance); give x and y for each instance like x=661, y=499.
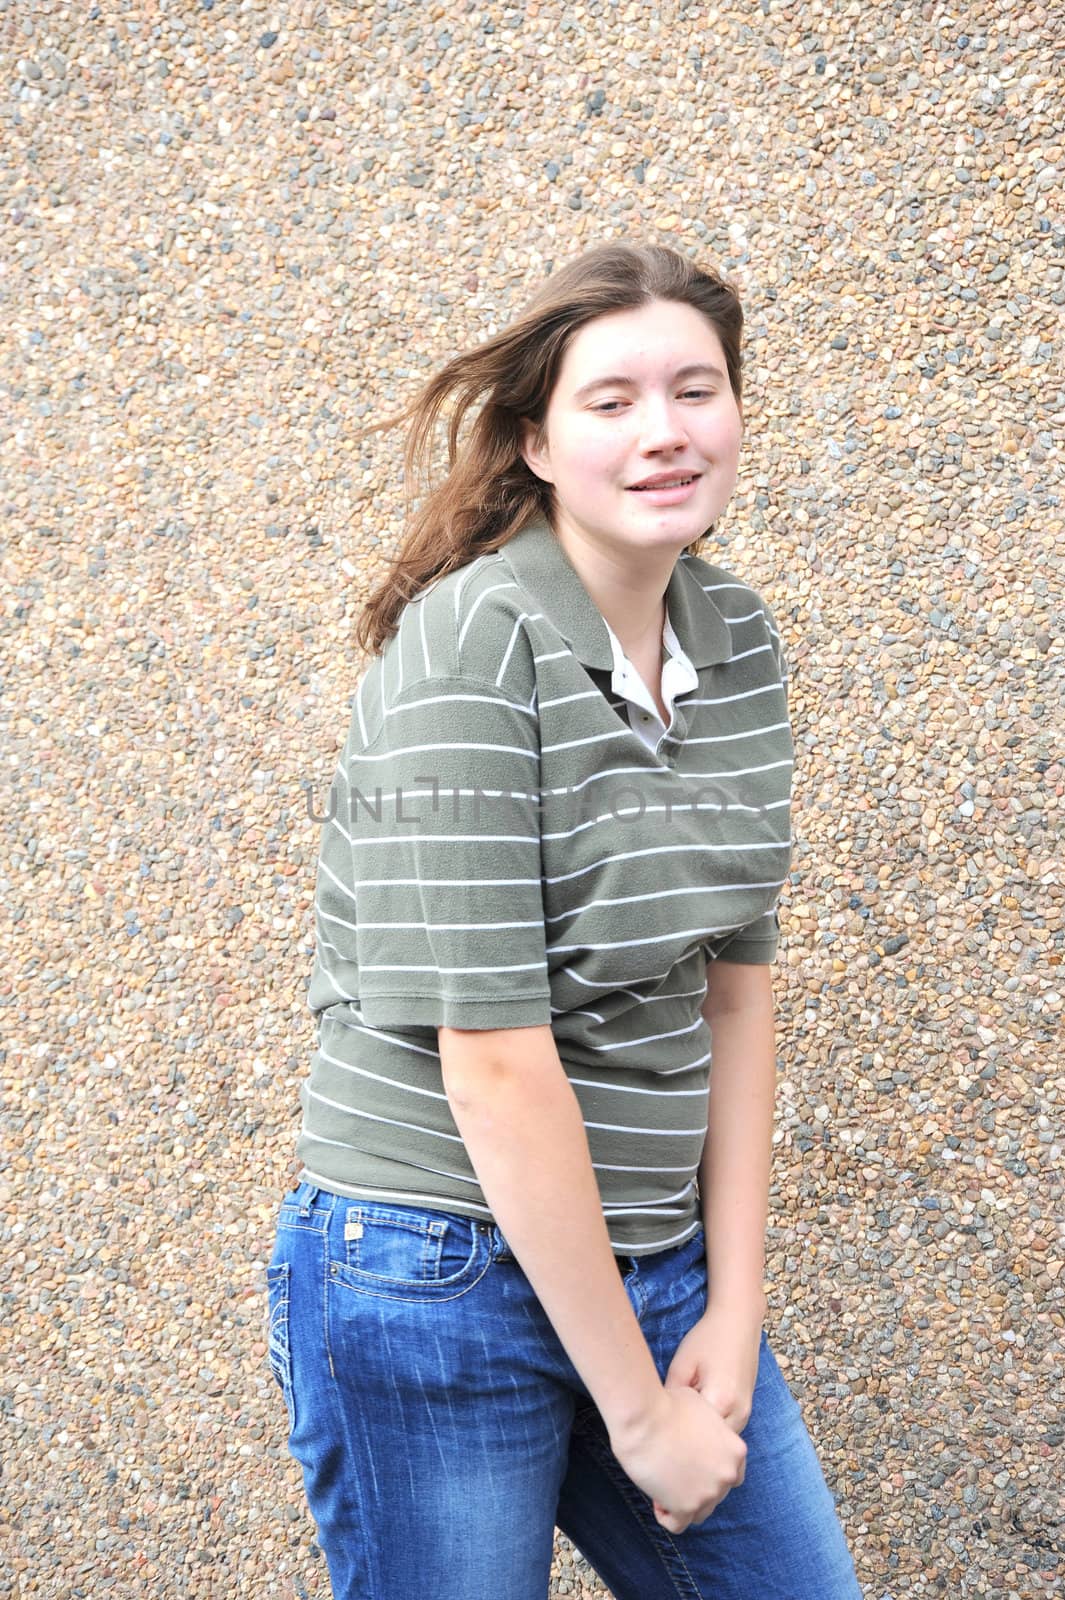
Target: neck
x=628, y=589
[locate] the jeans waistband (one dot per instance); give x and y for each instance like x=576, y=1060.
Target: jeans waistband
x=305, y=1194
x=503, y=1252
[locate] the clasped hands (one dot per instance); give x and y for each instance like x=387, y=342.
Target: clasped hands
x=718, y=1357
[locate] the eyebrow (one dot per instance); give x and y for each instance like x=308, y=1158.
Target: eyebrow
x=682, y=372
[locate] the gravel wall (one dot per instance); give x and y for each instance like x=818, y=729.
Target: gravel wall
x=230, y=232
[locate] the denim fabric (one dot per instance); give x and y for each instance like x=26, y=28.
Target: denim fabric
x=443, y=1432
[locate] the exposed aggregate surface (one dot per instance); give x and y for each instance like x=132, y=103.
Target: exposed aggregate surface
x=230, y=233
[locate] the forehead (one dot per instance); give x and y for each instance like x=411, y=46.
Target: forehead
x=644, y=342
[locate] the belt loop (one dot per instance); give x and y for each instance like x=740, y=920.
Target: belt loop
x=499, y=1246
x=308, y=1200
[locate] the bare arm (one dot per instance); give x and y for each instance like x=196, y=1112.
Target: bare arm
x=735, y=1170
x=522, y=1126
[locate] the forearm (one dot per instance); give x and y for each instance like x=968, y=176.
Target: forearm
x=735, y=1170
x=522, y=1127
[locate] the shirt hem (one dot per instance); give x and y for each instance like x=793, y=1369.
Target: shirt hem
x=430, y=1202
x=518, y=1011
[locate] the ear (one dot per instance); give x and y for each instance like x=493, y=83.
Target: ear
x=534, y=450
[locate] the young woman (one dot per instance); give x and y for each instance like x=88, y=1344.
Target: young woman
x=519, y=1281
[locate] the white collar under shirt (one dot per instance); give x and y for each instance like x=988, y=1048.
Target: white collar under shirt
x=678, y=677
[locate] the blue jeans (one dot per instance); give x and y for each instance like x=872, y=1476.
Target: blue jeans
x=443, y=1431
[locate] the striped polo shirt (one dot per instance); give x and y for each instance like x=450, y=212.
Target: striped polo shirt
x=678, y=675
x=503, y=849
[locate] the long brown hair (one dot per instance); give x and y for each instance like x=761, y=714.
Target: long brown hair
x=489, y=493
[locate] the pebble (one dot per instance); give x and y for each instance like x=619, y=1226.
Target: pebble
x=225, y=248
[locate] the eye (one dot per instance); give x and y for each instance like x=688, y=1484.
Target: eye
x=602, y=408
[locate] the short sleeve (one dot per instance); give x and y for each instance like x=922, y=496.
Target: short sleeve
x=429, y=904
x=755, y=944
x=759, y=941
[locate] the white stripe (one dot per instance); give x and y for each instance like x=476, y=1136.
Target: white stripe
x=631, y=1088
x=452, y=838
x=719, y=588
x=381, y=1033
x=729, y=738
x=421, y=626
x=465, y=574
x=655, y=850
x=698, y=934
x=626, y=733
x=329, y=916
x=327, y=944
x=391, y=1122
x=756, y=650
x=567, y=699
x=688, y=1066
x=449, y=699
x=358, y=708
x=398, y=795
x=605, y=1167
x=343, y=887
x=473, y=609
x=384, y=1196
x=322, y=970
x=659, y=894
x=377, y=1077
x=652, y=1038
x=450, y=883
x=611, y=1213
x=678, y=994
x=451, y=927
x=444, y=744
x=708, y=774
x=650, y=1133
x=678, y=1238
x=526, y=616
x=527, y=966
x=748, y=616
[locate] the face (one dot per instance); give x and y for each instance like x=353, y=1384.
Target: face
x=626, y=408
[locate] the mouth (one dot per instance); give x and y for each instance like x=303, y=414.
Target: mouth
x=676, y=481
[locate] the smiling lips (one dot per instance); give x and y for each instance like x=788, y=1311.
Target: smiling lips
x=667, y=481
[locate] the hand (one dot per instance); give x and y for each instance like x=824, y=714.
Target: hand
x=718, y=1358
x=683, y=1455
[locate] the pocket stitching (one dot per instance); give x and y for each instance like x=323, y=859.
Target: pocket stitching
x=278, y=1343
x=422, y=1290
x=363, y=1283
x=432, y=1231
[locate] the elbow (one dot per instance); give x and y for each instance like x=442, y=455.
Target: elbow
x=481, y=1066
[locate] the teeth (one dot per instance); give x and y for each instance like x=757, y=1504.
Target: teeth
x=674, y=483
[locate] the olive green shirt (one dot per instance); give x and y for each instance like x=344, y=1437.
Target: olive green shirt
x=504, y=850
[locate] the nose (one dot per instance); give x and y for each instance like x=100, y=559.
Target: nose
x=661, y=427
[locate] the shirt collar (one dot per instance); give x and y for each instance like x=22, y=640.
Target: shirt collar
x=673, y=655
x=544, y=570
x=678, y=674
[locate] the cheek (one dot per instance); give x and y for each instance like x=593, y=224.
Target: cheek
x=726, y=433
x=590, y=453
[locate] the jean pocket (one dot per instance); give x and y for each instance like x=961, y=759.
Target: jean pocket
x=278, y=1344
x=403, y=1253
